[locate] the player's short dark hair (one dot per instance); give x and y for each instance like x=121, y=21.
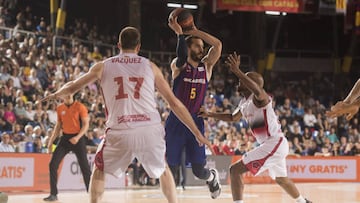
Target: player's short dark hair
x=129, y=38
x=189, y=39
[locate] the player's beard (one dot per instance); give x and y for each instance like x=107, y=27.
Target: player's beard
x=196, y=56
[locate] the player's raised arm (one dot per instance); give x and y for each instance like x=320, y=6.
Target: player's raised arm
x=349, y=106
x=341, y=108
x=354, y=93
x=252, y=81
x=214, y=52
x=235, y=116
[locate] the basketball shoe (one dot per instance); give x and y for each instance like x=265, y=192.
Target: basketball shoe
x=214, y=185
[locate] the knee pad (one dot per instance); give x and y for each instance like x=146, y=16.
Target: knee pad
x=175, y=170
x=200, y=172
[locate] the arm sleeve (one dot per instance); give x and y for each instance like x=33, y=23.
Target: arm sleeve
x=181, y=51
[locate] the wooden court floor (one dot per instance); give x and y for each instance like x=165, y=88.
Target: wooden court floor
x=254, y=193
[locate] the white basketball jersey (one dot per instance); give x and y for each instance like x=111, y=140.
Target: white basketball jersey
x=128, y=89
x=262, y=121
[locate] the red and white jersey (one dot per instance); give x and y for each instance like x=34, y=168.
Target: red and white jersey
x=128, y=89
x=262, y=121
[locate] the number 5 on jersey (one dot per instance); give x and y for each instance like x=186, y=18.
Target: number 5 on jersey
x=193, y=93
x=121, y=92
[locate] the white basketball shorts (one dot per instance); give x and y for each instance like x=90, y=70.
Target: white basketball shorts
x=270, y=155
x=120, y=147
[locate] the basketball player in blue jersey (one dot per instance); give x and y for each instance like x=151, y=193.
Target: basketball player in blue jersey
x=191, y=71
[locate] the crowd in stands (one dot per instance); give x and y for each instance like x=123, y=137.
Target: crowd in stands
x=30, y=70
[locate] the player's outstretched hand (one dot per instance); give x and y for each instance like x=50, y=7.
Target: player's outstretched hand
x=51, y=96
x=341, y=108
x=233, y=61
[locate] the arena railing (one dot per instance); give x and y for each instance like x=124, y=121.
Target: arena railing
x=162, y=58
x=57, y=41
x=11, y=32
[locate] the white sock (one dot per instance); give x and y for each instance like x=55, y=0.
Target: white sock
x=300, y=199
x=239, y=201
x=211, y=177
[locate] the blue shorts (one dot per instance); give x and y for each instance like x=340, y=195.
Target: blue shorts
x=178, y=137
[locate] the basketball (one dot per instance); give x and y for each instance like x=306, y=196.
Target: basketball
x=184, y=18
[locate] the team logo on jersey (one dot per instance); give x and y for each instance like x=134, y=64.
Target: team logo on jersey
x=63, y=112
x=200, y=69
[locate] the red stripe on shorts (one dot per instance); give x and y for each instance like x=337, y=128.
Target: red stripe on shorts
x=254, y=166
x=99, y=160
x=266, y=123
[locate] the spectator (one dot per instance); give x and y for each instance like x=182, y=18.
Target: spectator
x=298, y=147
x=229, y=147
x=241, y=150
x=45, y=122
x=332, y=136
x=34, y=81
x=4, y=125
x=20, y=112
x=216, y=147
x=51, y=111
x=320, y=138
x=6, y=143
x=38, y=145
x=354, y=135
x=296, y=134
x=9, y=114
x=319, y=122
x=285, y=128
x=307, y=135
x=15, y=77
x=20, y=94
x=28, y=136
x=17, y=134
x=29, y=110
x=37, y=132
x=41, y=27
x=318, y=108
x=343, y=145
x=96, y=55
x=312, y=149
x=97, y=136
x=309, y=118
x=292, y=150
x=335, y=149
x=298, y=111
x=286, y=106
x=324, y=152
x=4, y=74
